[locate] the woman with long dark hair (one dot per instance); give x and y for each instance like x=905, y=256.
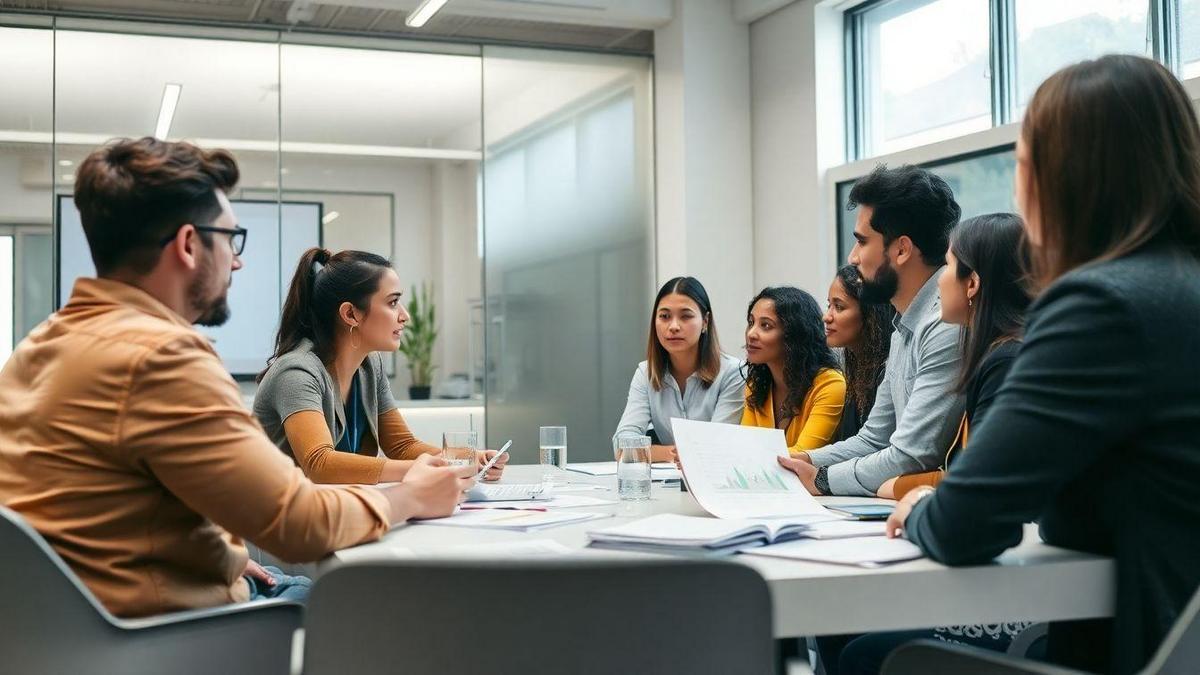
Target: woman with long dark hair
x=792, y=377
x=863, y=331
x=982, y=287
x=685, y=374
x=1093, y=434
x=324, y=397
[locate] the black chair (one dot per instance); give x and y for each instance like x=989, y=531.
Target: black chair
x=575, y=616
x=51, y=623
x=1179, y=654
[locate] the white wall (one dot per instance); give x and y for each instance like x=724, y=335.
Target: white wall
x=703, y=150
x=25, y=201
x=796, y=97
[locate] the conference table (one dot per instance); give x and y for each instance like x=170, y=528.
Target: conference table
x=1031, y=582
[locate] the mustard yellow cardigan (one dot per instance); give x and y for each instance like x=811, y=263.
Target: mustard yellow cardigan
x=818, y=418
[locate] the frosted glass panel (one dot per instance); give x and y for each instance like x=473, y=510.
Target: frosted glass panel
x=567, y=245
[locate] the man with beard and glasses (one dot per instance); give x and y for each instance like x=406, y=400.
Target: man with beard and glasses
x=123, y=439
x=902, y=233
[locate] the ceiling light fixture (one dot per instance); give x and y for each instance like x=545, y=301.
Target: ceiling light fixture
x=330, y=217
x=65, y=162
x=423, y=13
x=166, y=111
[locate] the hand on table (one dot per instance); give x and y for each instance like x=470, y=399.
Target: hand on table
x=887, y=490
x=895, y=522
x=436, y=487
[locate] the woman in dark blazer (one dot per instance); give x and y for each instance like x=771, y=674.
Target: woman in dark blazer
x=1095, y=433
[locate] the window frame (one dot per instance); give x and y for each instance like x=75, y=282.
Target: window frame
x=1162, y=23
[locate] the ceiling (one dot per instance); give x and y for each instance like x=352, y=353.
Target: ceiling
x=461, y=20
x=320, y=100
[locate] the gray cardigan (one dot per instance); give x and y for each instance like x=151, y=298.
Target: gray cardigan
x=298, y=381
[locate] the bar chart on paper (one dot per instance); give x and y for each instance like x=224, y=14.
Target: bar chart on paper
x=740, y=479
x=733, y=471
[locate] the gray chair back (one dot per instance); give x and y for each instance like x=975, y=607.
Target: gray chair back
x=51, y=623
x=567, y=616
x=1179, y=653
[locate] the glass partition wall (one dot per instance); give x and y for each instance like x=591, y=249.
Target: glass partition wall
x=513, y=184
x=568, y=235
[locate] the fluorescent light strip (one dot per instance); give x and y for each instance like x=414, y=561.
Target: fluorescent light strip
x=423, y=13
x=346, y=149
x=166, y=111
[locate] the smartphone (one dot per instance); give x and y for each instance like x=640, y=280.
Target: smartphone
x=864, y=511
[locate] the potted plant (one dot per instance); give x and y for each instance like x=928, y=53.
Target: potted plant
x=416, y=343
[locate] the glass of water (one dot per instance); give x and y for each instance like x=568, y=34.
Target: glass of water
x=459, y=447
x=633, y=468
x=552, y=452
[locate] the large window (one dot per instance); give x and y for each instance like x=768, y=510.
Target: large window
x=1056, y=33
x=1189, y=38
x=982, y=183
x=920, y=71
x=926, y=70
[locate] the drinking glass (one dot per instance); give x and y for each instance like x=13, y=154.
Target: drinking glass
x=552, y=452
x=633, y=468
x=459, y=447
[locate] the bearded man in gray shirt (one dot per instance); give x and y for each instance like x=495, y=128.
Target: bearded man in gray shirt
x=902, y=233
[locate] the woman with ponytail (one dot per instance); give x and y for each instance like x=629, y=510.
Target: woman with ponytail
x=324, y=397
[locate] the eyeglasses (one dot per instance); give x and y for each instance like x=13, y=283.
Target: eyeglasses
x=237, y=236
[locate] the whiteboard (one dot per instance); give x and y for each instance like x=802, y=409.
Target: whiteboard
x=278, y=234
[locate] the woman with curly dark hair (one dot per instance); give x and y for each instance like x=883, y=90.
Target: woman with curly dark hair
x=792, y=377
x=863, y=331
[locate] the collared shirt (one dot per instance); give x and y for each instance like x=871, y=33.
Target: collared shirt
x=916, y=410
x=720, y=402
x=125, y=443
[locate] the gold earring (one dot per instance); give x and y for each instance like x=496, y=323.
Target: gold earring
x=353, y=344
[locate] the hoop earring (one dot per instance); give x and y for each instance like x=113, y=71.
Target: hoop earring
x=353, y=344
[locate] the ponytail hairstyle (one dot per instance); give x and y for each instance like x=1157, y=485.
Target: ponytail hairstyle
x=323, y=281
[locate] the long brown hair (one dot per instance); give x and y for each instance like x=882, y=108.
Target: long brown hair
x=323, y=281
x=994, y=247
x=1114, y=152
x=865, y=361
x=710, y=347
x=805, y=352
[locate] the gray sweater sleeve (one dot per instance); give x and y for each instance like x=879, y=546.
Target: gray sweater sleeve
x=873, y=436
x=920, y=439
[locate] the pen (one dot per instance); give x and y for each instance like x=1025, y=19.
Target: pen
x=501, y=508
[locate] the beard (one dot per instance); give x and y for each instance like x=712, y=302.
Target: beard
x=883, y=287
x=206, y=295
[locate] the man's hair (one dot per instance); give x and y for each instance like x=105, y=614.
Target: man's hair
x=909, y=201
x=131, y=194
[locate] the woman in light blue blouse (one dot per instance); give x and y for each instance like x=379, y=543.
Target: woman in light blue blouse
x=685, y=374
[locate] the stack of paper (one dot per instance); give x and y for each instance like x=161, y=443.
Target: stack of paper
x=859, y=551
x=519, y=521
x=554, y=501
x=659, y=471
x=669, y=532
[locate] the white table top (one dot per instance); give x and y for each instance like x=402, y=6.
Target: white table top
x=1032, y=582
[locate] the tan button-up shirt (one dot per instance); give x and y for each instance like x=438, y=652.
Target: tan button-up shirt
x=125, y=442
